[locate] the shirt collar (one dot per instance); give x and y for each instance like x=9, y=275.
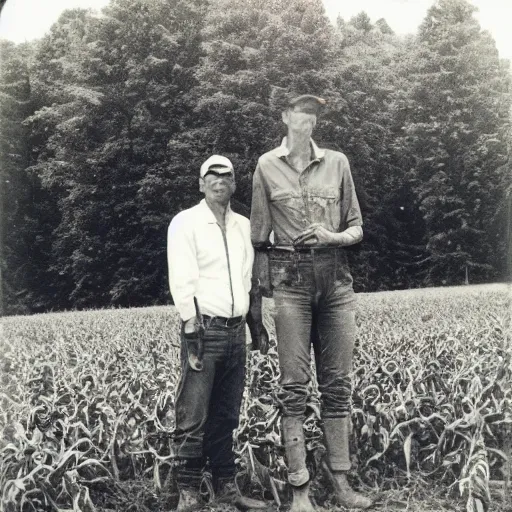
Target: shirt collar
x=316, y=152
x=209, y=217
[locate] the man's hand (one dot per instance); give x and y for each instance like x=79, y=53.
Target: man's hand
x=261, y=273
x=194, y=350
x=316, y=234
x=259, y=335
x=260, y=340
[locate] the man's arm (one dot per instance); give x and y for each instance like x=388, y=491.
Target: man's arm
x=254, y=315
x=351, y=236
x=183, y=268
x=261, y=226
x=259, y=334
x=350, y=214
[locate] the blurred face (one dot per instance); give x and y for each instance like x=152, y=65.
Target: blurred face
x=218, y=188
x=299, y=121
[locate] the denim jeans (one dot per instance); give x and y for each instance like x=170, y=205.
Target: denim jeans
x=208, y=405
x=315, y=306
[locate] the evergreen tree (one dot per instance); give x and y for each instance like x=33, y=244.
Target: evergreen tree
x=61, y=132
x=363, y=76
x=20, y=240
x=107, y=119
x=121, y=79
x=456, y=132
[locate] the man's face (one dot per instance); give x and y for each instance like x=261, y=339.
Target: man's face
x=299, y=121
x=218, y=188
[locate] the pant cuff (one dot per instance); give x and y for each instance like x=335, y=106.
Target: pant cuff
x=189, y=472
x=188, y=479
x=340, y=466
x=299, y=477
x=187, y=451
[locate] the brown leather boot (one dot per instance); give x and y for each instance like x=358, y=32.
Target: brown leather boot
x=346, y=496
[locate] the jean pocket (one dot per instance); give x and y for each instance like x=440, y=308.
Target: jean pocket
x=283, y=272
x=342, y=275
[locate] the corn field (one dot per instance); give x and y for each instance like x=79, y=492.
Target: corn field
x=87, y=401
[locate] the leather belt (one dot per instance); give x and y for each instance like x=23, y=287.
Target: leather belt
x=223, y=321
x=290, y=252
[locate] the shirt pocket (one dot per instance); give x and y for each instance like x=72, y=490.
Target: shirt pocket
x=282, y=195
x=288, y=200
x=324, y=207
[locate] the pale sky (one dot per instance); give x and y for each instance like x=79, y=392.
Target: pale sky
x=24, y=20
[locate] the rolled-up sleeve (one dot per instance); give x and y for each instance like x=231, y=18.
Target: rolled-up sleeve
x=183, y=269
x=261, y=221
x=350, y=210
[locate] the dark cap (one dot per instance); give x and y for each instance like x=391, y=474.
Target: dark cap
x=306, y=103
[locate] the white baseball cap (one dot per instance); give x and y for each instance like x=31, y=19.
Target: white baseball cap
x=217, y=163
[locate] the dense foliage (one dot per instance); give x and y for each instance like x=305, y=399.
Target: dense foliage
x=87, y=405
x=106, y=119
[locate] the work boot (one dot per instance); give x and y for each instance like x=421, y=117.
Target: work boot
x=336, y=437
x=188, y=476
x=189, y=499
x=229, y=493
x=298, y=474
x=295, y=448
x=300, y=499
x=346, y=496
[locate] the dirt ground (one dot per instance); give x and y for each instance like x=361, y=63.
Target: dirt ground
x=140, y=496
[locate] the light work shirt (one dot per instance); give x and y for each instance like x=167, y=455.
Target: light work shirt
x=208, y=264
x=287, y=201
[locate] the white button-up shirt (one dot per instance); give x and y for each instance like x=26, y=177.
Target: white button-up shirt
x=207, y=264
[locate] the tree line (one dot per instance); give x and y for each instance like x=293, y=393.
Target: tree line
x=106, y=120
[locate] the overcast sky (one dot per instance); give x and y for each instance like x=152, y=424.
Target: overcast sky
x=24, y=20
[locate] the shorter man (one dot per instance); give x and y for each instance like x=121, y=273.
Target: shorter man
x=210, y=260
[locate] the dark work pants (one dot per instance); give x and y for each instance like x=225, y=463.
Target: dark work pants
x=208, y=405
x=315, y=302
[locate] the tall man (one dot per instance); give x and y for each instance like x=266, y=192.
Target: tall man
x=210, y=260
x=306, y=196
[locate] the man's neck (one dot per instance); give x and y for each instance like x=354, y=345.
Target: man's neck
x=299, y=148
x=219, y=210
x=298, y=144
